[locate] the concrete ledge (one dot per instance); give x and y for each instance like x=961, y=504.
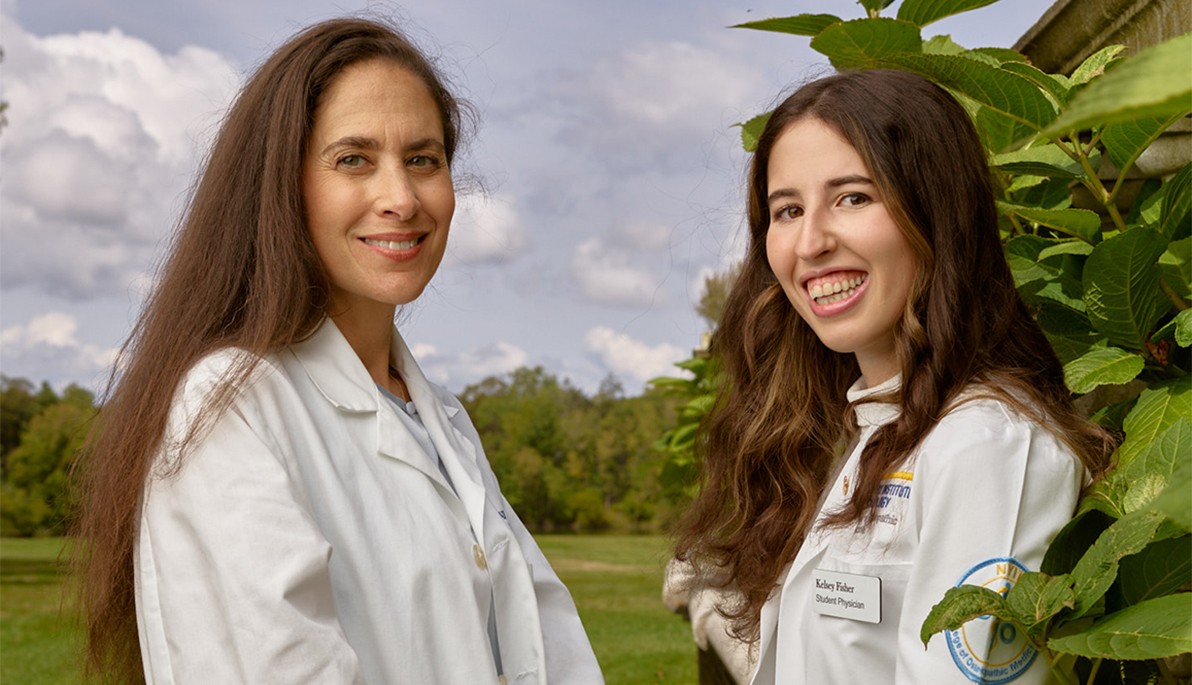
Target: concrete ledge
x=1071, y=30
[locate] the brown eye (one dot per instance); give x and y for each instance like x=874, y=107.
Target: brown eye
x=788, y=213
x=855, y=200
x=425, y=162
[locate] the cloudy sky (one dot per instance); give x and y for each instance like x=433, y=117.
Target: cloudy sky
x=610, y=166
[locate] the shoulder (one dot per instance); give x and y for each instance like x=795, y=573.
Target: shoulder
x=226, y=380
x=981, y=429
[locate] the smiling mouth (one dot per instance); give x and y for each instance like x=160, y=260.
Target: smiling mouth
x=835, y=287
x=393, y=244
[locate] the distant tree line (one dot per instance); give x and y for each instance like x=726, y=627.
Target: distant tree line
x=566, y=461
x=40, y=432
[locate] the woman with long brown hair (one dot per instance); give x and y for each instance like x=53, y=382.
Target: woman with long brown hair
x=892, y=421
x=274, y=492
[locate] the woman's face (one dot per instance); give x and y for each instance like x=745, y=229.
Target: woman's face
x=378, y=192
x=841, y=259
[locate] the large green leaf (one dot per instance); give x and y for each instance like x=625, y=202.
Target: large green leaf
x=1079, y=223
x=1036, y=597
x=923, y=12
x=1095, y=64
x=1003, y=55
x=1152, y=83
x=1121, y=286
x=1039, y=160
x=1183, y=328
x=1068, y=323
x=1000, y=132
x=799, y=25
x=1153, y=629
x=1125, y=141
x=944, y=45
x=1003, y=92
x=961, y=604
x=1175, y=267
x=1177, y=202
x=1159, y=407
x=1160, y=569
x=859, y=44
x=1022, y=254
x=1147, y=473
x=1102, y=366
x=1067, y=247
x=1098, y=568
x=1055, y=85
x=1176, y=501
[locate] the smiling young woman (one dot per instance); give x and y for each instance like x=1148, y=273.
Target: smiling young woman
x=892, y=421
x=274, y=492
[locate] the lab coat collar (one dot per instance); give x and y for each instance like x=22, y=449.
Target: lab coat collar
x=333, y=367
x=877, y=412
x=336, y=371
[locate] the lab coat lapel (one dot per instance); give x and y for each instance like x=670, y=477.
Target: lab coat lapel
x=518, y=624
x=340, y=376
x=455, y=450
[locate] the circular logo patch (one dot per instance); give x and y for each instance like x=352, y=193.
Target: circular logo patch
x=986, y=649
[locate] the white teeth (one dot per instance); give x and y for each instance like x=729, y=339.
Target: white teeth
x=392, y=245
x=828, y=293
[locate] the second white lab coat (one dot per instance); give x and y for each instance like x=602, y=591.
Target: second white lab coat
x=307, y=538
x=978, y=502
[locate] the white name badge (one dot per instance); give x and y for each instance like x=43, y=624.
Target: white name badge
x=846, y=595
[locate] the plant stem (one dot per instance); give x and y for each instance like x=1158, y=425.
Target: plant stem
x=1172, y=295
x=1093, y=183
x=1093, y=672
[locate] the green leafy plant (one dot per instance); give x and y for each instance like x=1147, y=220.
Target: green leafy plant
x=1103, y=259
x=697, y=394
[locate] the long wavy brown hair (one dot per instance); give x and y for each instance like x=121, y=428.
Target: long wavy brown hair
x=782, y=415
x=241, y=272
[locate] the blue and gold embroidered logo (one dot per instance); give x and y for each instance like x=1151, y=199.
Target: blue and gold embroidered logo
x=895, y=487
x=987, y=650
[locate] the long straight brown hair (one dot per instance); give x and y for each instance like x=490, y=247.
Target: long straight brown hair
x=242, y=272
x=782, y=415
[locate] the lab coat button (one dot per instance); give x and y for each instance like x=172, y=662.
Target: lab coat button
x=478, y=557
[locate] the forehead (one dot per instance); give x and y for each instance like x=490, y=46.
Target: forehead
x=375, y=93
x=811, y=149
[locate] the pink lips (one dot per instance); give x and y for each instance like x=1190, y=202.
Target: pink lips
x=389, y=247
x=840, y=306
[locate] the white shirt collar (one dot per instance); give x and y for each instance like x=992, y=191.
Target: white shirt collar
x=874, y=413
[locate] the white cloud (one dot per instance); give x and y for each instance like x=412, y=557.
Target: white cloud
x=458, y=370
x=649, y=236
x=99, y=149
x=485, y=230
x=48, y=348
x=605, y=275
x=651, y=102
x=631, y=358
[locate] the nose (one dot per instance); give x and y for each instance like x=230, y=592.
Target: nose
x=816, y=237
x=396, y=195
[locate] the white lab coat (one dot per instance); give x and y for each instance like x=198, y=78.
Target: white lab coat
x=307, y=538
x=978, y=502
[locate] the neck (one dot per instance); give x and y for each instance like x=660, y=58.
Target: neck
x=370, y=335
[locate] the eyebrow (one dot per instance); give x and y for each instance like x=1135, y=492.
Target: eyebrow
x=851, y=179
x=366, y=143
x=361, y=142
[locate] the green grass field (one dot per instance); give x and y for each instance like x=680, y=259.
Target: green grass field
x=616, y=582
